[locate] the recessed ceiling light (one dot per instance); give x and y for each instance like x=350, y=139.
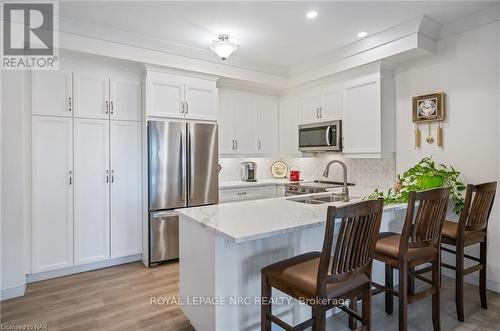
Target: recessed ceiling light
x=311, y=14
x=362, y=34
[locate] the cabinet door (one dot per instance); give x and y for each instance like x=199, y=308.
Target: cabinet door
x=289, y=118
x=201, y=102
x=125, y=97
x=52, y=92
x=361, y=128
x=52, y=193
x=126, y=189
x=91, y=93
x=165, y=96
x=244, y=125
x=91, y=190
x=310, y=108
x=330, y=106
x=225, y=119
x=267, y=125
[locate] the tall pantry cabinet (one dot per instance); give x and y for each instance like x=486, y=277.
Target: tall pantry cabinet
x=86, y=166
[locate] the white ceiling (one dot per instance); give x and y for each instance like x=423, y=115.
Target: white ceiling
x=276, y=33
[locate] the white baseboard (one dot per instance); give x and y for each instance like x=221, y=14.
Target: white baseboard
x=31, y=278
x=12, y=292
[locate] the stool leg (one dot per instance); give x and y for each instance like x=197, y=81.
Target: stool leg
x=354, y=307
x=459, y=282
x=265, y=306
x=411, y=281
x=366, y=313
x=389, y=297
x=482, y=275
x=436, y=275
x=319, y=323
x=403, y=297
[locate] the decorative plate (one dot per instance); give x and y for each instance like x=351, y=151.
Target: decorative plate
x=279, y=169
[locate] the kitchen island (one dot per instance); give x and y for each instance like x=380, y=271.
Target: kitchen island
x=223, y=247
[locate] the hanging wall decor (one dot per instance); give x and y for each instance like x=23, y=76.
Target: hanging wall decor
x=426, y=109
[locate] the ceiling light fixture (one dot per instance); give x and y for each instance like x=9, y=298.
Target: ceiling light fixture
x=223, y=47
x=311, y=14
x=362, y=34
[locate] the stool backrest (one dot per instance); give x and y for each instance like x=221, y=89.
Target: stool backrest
x=477, y=208
x=355, y=244
x=423, y=226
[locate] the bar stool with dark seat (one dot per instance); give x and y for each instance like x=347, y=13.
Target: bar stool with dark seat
x=417, y=244
x=470, y=229
x=319, y=279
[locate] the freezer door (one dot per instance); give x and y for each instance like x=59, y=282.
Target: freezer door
x=164, y=236
x=203, y=154
x=167, y=146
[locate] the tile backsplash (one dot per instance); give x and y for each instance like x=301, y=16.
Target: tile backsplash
x=370, y=173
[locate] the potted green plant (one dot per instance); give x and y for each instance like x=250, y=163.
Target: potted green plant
x=423, y=176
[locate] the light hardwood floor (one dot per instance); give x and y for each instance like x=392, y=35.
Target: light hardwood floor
x=118, y=298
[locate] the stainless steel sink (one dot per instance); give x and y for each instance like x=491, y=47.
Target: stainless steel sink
x=319, y=199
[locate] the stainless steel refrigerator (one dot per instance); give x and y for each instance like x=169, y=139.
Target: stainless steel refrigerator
x=183, y=161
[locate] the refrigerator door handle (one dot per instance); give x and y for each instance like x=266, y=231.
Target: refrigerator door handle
x=184, y=164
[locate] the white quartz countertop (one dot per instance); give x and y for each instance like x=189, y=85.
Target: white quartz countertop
x=258, y=219
x=259, y=182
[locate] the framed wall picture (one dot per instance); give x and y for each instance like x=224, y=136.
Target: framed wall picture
x=428, y=108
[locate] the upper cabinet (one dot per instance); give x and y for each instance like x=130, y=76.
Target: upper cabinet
x=52, y=92
x=289, y=120
x=321, y=105
x=87, y=92
x=248, y=123
x=180, y=97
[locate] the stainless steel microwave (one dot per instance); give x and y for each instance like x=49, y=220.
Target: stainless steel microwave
x=320, y=137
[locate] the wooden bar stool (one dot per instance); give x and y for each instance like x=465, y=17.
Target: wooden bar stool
x=470, y=229
x=417, y=244
x=321, y=279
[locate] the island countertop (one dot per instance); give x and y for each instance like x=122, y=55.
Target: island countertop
x=257, y=219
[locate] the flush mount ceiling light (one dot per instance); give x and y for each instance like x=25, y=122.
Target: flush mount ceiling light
x=223, y=47
x=362, y=34
x=311, y=14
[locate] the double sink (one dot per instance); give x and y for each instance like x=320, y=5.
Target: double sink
x=320, y=198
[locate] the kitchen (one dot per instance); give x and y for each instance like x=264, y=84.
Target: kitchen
x=140, y=121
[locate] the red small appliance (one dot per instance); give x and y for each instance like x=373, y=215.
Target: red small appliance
x=294, y=174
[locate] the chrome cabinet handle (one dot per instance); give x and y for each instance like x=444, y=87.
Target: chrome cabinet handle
x=236, y=141
x=317, y=112
x=107, y=176
x=233, y=143
x=242, y=193
x=106, y=107
x=187, y=107
x=69, y=104
x=182, y=107
x=70, y=177
x=112, y=176
x=259, y=144
x=320, y=112
x=112, y=107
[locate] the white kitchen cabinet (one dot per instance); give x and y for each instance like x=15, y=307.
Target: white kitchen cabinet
x=225, y=120
x=91, y=93
x=125, y=96
x=52, y=193
x=310, y=108
x=52, y=92
x=126, y=188
x=248, y=123
x=241, y=194
x=280, y=191
x=289, y=119
x=270, y=191
x=91, y=190
x=245, y=126
x=266, y=125
x=180, y=97
x=200, y=101
x=321, y=105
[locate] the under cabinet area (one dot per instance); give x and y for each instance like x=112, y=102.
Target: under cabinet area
x=86, y=167
x=248, y=123
x=174, y=96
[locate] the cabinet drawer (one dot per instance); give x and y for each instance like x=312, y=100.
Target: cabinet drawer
x=248, y=193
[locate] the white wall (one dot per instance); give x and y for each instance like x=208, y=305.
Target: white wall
x=13, y=210
x=466, y=68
